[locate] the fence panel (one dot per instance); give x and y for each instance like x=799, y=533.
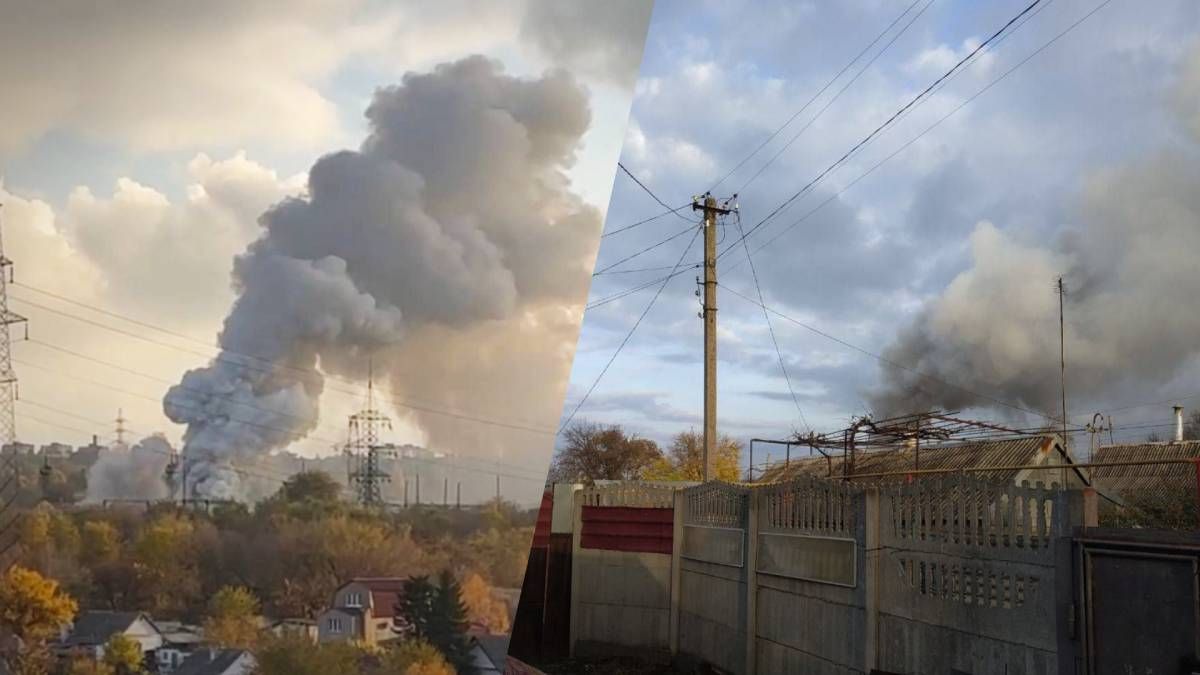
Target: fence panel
x=967, y=576
x=621, y=577
x=712, y=575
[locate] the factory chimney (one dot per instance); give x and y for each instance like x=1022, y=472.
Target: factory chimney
x=1178, y=423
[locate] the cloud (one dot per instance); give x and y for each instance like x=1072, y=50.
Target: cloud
x=602, y=39
x=448, y=250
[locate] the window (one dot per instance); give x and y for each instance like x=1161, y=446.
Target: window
x=334, y=624
x=354, y=599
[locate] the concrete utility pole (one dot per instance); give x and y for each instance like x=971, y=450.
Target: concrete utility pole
x=711, y=211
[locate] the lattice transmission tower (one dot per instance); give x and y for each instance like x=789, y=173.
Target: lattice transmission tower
x=9, y=470
x=364, y=452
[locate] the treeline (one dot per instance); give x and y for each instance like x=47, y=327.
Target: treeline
x=430, y=637
x=290, y=552
x=592, y=452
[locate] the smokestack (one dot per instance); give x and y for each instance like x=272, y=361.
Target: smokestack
x=1178, y=423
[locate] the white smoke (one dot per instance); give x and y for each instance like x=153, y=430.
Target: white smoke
x=454, y=220
x=137, y=472
x=1130, y=262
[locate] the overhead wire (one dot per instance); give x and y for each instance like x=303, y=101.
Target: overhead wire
x=251, y=362
x=770, y=328
x=841, y=91
x=651, y=192
x=886, y=123
x=628, y=335
x=886, y=360
x=928, y=129
x=810, y=101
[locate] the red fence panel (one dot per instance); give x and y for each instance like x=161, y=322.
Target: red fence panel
x=628, y=528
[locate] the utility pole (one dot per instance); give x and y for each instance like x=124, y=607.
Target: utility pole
x=1062, y=352
x=9, y=466
x=711, y=211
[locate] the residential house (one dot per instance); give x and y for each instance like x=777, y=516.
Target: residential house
x=363, y=610
x=180, y=641
x=306, y=628
x=1001, y=461
x=93, y=629
x=210, y=661
x=488, y=652
x=1150, y=482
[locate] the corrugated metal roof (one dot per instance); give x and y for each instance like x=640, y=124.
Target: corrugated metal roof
x=1014, y=452
x=1148, y=478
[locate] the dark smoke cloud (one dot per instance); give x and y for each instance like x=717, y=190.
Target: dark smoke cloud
x=449, y=250
x=1130, y=261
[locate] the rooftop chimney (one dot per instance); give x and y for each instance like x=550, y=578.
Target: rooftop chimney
x=1178, y=423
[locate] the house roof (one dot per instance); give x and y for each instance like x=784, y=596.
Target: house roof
x=495, y=647
x=96, y=627
x=1147, y=478
x=992, y=453
x=210, y=662
x=385, y=592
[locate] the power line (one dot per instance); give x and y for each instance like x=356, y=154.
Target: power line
x=640, y=222
x=645, y=250
x=887, y=361
x=787, y=202
x=629, y=335
x=651, y=192
x=930, y=128
x=268, y=367
x=779, y=353
x=267, y=427
x=815, y=96
x=841, y=91
x=629, y=291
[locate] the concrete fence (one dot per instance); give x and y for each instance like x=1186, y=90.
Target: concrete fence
x=621, y=576
x=827, y=577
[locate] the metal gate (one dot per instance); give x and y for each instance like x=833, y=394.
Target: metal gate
x=1140, y=601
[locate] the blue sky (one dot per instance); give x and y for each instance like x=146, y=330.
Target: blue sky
x=973, y=214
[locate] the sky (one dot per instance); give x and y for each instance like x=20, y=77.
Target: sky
x=942, y=261
x=144, y=148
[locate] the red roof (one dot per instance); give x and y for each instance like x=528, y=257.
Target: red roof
x=385, y=593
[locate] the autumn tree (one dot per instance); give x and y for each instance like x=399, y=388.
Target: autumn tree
x=83, y=665
x=32, y=609
x=166, y=564
x=412, y=657
x=592, y=452
x=297, y=655
x=233, y=618
x=100, y=543
x=483, y=607
x=124, y=655
x=684, y=460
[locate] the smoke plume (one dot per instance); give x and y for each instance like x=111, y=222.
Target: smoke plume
x=1129, y=262
x=136, y=472
x=449, y=250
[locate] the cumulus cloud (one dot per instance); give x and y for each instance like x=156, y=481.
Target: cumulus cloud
x=603, y=39
x=448, y=250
